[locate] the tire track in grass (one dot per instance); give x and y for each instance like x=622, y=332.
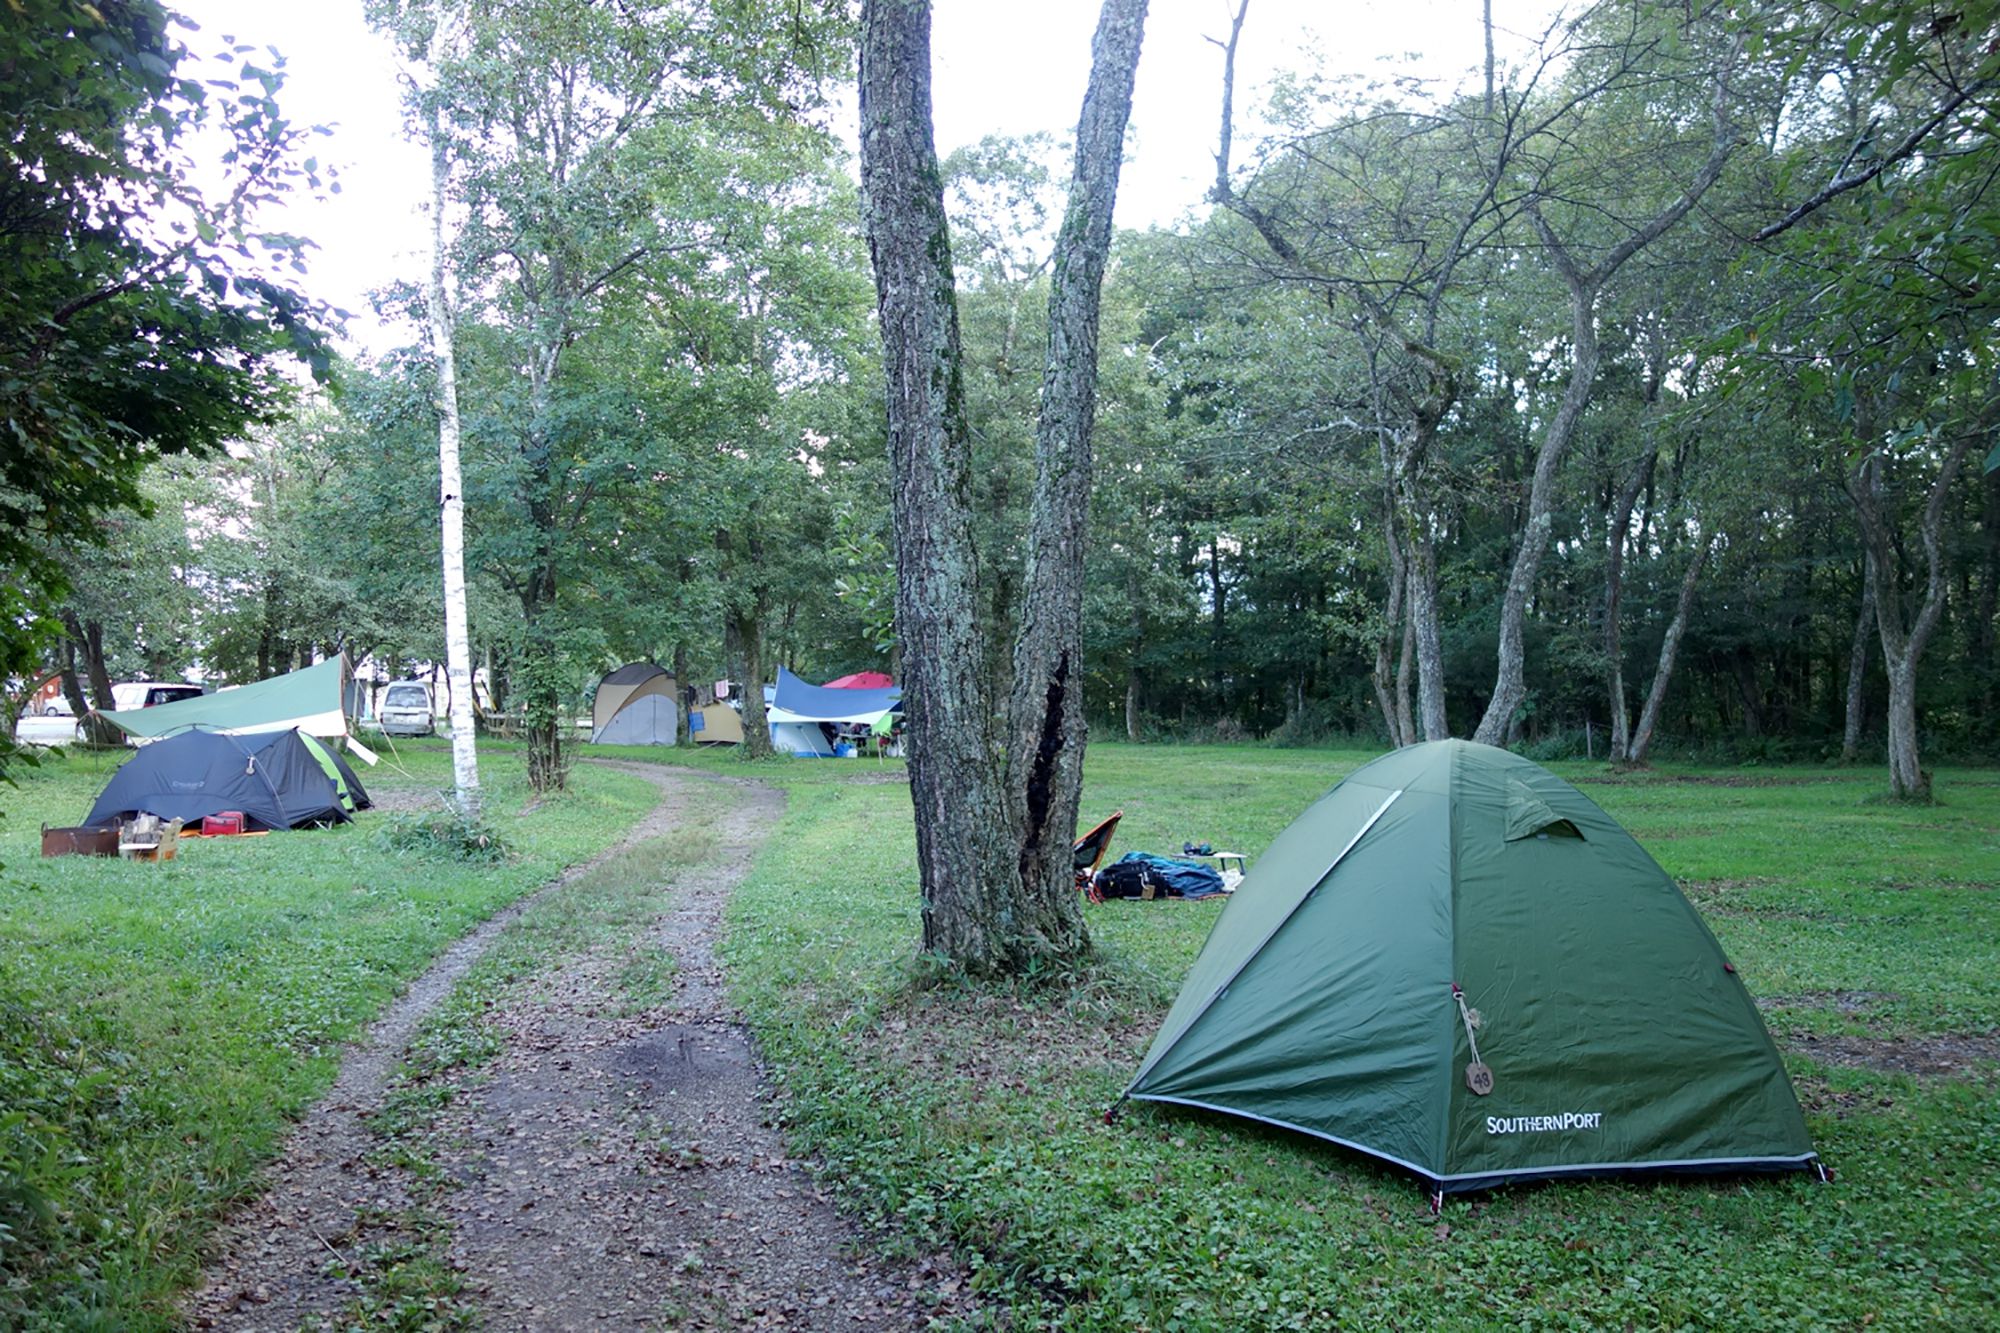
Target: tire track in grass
x=607, y=1159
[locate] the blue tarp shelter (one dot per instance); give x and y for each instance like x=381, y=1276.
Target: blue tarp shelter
x=796, y=711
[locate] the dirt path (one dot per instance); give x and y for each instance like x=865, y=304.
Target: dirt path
x=612, y=1170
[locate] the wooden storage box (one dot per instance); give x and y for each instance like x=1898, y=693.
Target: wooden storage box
x=82, y=840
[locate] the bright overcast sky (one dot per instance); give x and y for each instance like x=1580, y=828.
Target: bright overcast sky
x=1009, y=69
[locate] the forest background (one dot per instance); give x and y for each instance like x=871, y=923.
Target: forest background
x=1654, y=365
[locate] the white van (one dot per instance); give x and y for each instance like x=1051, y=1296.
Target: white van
x=407, y=709
x=150, y=694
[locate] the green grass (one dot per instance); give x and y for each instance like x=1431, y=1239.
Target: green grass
x=973, y=1115
x=160, y=1024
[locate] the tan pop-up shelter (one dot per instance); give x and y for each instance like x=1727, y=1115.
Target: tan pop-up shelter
x=716, y=724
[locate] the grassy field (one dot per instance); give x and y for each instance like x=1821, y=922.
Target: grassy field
x=974, y=1114
x=159, y=1024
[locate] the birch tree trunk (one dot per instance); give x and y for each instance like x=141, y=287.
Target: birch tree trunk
x=1857, y=668
x=451, y=494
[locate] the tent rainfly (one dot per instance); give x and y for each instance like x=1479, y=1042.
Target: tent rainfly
x=1456, y=962
x=309, y=700
x=277, y=780
x=635, y=705
x=861, y=680
x=797, y=709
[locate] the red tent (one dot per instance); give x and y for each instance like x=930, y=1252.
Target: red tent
x=861, y=680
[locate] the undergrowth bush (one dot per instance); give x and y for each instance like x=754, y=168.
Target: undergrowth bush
x=446, y=835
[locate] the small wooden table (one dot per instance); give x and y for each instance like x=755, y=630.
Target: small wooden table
x=1221, y=859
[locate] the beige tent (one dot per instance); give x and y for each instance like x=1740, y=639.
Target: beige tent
x=636, y=705
x=717, y=724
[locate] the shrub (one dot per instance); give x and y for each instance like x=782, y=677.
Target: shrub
x=446, y=835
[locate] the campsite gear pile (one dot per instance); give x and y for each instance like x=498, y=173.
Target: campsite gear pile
x=148, y=838
x=1456, y=962
x=1145, y=876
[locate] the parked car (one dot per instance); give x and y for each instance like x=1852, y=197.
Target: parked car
x=46, y=729
x=407, y=709
x=150, y=694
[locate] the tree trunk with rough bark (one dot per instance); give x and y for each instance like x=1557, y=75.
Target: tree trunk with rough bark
x=683, y=733
x=1857, y=669
x=72, y=688
x=88, y=637
x=1510, y=689
x=1134, y=686
x=1405, y=720
x=1430, y=641
x=1904, y=640
x=1584, y=286
x=451, y=492
x=955, y=770
x=1395, y=623
x=1663, y=674
x=1984, y=628
x=996, y=813
x=544, y=710
x=748, y=671
x=1617, y=535
x=1045, y=712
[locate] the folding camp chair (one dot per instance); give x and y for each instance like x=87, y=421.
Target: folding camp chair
x=1089, y=853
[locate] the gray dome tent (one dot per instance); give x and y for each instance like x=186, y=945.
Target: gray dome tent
x=635, y=705
x=1456, y=962
x=274, y=779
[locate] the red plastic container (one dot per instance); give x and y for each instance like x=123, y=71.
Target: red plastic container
x=227, y=821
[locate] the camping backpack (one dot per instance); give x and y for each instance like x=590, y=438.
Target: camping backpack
x=1127, y=879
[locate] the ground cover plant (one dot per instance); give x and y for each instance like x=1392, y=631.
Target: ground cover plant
x=159, y=1024
x=974, y=1114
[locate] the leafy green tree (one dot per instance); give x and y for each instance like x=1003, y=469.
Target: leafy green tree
x=141, y=317
x=594, y=148
x=1879, y=293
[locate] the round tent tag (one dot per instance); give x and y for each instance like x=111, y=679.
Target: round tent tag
x=1479, y=1078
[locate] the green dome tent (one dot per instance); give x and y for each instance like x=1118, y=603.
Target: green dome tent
x=1456, y=962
